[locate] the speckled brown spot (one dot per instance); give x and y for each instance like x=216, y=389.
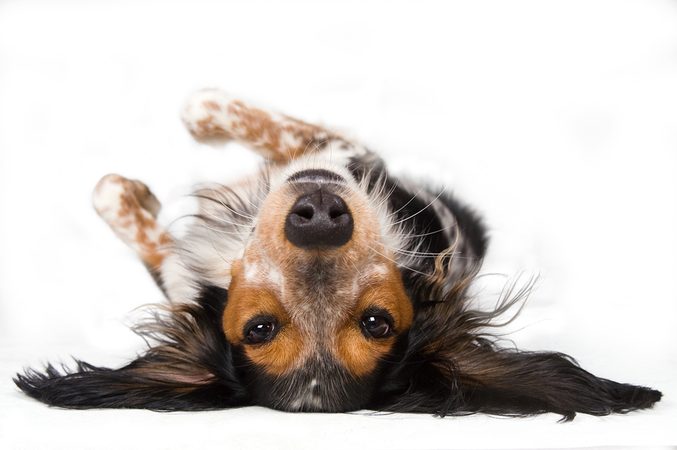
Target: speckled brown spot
x=212, y=105
x=278, y=137
x=134, y=221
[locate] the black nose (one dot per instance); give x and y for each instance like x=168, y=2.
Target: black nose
x=319, y=219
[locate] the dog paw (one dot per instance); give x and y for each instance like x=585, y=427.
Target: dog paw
x=205, y=114
x=130, y=209
x=114, y=196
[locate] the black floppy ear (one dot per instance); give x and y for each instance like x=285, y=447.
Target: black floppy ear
x=509, y=382
x=146, y=383
x=501, y=381
x=189, y=368
x=451, y=366
x=514, y=382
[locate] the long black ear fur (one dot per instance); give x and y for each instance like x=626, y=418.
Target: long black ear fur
x=190, y=367
x=452, y=367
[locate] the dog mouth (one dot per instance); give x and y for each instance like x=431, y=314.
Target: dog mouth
x=316, y=176
x=323, y=385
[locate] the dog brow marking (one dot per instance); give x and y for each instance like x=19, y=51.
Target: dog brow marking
x=279, y=138
x=281, y=355
x=358, y=354
x=130, y=209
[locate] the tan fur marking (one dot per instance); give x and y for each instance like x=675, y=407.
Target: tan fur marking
x=355, y=351
x=245, y=302
x=212, y=105
x=207, y=127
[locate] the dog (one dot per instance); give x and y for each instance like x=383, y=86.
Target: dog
x=322, y=283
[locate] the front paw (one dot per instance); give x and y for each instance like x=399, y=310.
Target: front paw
x=205, y=114
x=115, y=196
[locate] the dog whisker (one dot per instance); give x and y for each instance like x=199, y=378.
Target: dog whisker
x=406, y=219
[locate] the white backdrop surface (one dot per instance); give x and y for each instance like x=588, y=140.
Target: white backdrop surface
x=556, y=120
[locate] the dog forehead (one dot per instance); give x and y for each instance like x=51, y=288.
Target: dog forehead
x=316, y=298
x=319, y=318
x=315, y=282
x=319, y=302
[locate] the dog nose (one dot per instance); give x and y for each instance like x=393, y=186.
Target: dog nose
x=319, y=219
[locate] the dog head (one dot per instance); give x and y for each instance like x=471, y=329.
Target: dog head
x=316, y=301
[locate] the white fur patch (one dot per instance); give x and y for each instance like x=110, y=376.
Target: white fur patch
x=205, y=110
x=178, y=280
x=307, y=398
x=106, y=197
x=262, y=273
x=251, y=272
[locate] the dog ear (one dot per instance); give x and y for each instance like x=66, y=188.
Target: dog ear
x=514, y=382
x=146, y=383
x=451, y=366
x=190, y=367
x=508, y=382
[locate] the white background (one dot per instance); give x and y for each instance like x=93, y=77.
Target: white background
x=556, y=120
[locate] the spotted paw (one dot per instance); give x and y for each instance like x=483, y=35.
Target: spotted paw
x=115, y=193
x=130, y=209
x=205, y=114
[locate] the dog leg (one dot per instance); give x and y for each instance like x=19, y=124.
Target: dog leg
x=211, y=113
x=130, y=209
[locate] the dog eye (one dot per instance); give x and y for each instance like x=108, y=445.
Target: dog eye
x=376, y=325
x=260, y=330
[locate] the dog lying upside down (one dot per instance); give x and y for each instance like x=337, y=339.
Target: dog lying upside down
x=322, y=283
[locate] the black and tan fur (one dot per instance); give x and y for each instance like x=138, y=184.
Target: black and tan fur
x=411, y=256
